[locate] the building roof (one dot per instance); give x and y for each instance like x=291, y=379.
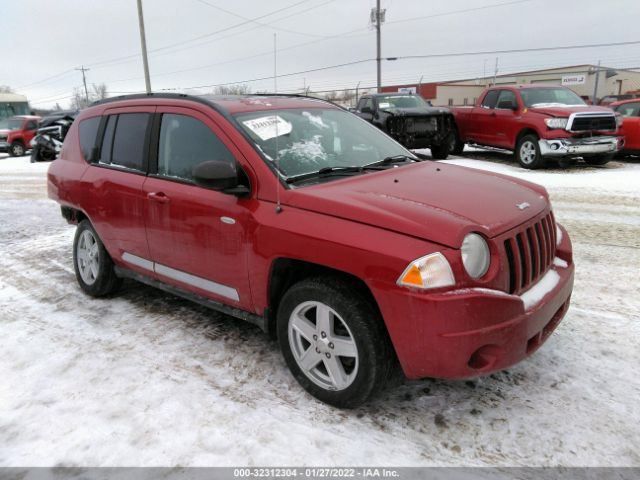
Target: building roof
x=12, y=97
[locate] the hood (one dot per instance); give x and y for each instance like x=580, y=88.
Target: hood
x=566, y=110
x=437, y=202
x=415, y=111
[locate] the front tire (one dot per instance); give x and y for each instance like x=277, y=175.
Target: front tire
x=93, y=265
x=17, y=149
x=528, y=153
x=334, y=341
x=441, y=152
x=457, y=145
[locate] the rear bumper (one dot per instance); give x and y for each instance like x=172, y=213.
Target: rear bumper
x=562, y=147
x=470, y=332
x=4, y=146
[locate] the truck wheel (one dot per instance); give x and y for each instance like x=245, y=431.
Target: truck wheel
x=528, y=153
x=441, y=152
x=599, y=160
x=456, y=146
x=92, y=264
x=16, y=149
x=334, y=341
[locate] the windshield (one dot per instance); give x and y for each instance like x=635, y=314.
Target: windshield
x=401, y=101
x=10, y=124
x=539, y=97
x=307, y=140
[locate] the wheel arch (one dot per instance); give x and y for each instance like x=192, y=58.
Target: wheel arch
x=523, y=132
x=285, y=272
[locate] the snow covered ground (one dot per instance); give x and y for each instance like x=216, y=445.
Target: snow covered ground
x=149, y=379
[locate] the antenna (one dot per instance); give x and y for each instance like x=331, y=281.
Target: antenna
x=275, y=120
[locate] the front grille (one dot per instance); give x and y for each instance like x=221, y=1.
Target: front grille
x=592, y=122
x=3, y=138
x=530, y=253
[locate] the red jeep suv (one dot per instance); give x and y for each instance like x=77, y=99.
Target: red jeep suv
x=298, y=216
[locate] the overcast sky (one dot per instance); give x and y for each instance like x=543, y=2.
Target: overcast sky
x=196, y=43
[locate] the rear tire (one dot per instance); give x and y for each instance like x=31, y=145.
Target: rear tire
x=17, y=149
x=599, y=160
x=93, y=266
x=528, y=153
x=320, y=318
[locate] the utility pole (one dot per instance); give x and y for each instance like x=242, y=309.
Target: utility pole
x=594, y=99
x=84, y=80
x=495, y=73
x=143, y=44
x=275, y=65
x=377, y=18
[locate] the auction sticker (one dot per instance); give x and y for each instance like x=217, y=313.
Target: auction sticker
x=269, y=127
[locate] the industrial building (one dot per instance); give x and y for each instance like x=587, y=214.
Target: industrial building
x=581, y=79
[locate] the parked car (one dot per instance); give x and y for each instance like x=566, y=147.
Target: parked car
x=537, y=123
x=51, y=133
x=607, y=100
x=630, y=128
x=16, y=133
x=410, y=119
x=300, y=217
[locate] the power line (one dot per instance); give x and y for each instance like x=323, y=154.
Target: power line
x=270, y=77
x=455, y=12
x=66, y=72
x=200, y=37
x=516, y=50
x=220, y=9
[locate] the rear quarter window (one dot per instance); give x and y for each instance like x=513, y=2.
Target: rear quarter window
x=88, y=131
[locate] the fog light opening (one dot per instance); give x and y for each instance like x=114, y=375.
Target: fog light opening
x=485, y=357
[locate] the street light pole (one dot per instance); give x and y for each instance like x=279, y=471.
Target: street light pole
x=143, y=44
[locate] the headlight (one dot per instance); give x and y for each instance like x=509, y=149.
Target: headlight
x=475, y=255
x=556, y=123
x=430, y=271
x=619, y=120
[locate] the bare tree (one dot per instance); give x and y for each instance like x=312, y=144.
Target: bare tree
x=241, y=89
x=6, y=89
x=79, y=99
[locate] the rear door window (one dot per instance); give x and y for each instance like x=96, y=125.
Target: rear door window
x=186, y=142
x=88, y=131
x=129, y=141
x=107, y=140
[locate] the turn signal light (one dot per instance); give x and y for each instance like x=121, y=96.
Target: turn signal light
x=430, y=271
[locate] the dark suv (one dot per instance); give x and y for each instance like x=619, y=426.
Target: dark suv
x=299, y=217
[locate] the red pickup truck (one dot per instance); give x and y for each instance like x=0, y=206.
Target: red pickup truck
x=16, y=133
x=538, y=122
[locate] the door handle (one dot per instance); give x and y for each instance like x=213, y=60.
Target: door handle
x=159, y=197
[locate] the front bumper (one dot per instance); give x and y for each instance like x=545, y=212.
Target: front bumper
x=563, y=147
x=470, y=332
x=4, y=146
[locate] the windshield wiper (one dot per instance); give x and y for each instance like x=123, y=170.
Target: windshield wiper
x=329, y=171
x=393, y=159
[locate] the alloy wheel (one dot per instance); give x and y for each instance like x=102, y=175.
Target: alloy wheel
x=323, y=346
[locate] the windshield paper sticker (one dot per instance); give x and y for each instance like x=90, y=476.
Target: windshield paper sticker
x=269, y=127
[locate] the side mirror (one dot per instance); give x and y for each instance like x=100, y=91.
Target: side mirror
x=366, y=110
x=218, y=175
